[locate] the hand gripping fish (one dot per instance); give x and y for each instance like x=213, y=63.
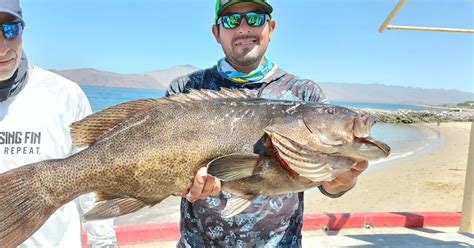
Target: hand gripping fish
x=140, y=152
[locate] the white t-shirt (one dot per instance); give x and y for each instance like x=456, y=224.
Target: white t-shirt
x=34, y=126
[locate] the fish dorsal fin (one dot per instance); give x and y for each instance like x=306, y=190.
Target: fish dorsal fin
x=88, y=130
x=206, y=94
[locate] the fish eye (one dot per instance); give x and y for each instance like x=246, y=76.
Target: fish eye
x=331, y=111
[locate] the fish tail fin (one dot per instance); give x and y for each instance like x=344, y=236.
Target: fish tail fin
x=24, y=205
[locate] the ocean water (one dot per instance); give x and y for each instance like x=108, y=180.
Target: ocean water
x=403, y=139
x=103, y=97
x=384, y=106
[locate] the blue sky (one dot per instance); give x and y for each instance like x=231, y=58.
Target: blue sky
x=327, y=41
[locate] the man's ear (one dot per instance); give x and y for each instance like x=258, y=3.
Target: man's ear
x=272, y=26
x=216, y=33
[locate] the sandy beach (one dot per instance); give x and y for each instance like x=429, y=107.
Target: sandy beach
x=429, y=180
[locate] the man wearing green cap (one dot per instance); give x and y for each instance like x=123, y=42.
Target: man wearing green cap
x=244, y=30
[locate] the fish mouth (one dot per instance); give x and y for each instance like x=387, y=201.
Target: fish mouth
x=363, y=146
x=367, y=149
x=362, y=125
x=382, y=146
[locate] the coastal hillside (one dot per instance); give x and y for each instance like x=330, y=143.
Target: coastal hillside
x=164, y=77
x=349, y=92
x=159, y=79
x=380, y=93
x=93, y=77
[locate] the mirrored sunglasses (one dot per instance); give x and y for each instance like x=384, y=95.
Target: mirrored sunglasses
x=11, y=30
x=233, y=20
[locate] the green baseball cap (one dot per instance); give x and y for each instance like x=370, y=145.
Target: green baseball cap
x=222, y=5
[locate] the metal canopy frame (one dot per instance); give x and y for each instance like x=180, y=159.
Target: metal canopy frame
x=467, y=216
x=386, y=24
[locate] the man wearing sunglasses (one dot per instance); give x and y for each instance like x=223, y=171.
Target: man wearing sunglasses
x=36, y=109
x=244, y=29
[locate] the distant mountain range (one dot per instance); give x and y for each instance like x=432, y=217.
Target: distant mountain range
x=380, y=93
x=350, y=92
x=148, y=80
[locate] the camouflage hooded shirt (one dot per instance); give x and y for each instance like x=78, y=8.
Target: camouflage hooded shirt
x=270, y=221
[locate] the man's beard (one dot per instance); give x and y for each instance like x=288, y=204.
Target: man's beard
x=246, y=58
x=249, y=56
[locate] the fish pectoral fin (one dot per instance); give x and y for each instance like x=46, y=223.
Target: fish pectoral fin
x=101, y=196
x=112, y=208
x=236, y=205
x=234, y=166
x=106, y=209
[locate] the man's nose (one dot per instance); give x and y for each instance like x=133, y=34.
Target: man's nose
x=244, y=27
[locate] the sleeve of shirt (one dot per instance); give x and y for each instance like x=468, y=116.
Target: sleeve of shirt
x=100, y=233
x=310, y=91
x=176, y=86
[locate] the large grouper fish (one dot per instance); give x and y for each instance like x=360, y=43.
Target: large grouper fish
x=140, y=152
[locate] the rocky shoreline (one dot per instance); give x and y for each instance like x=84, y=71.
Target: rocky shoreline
x=409, y=116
